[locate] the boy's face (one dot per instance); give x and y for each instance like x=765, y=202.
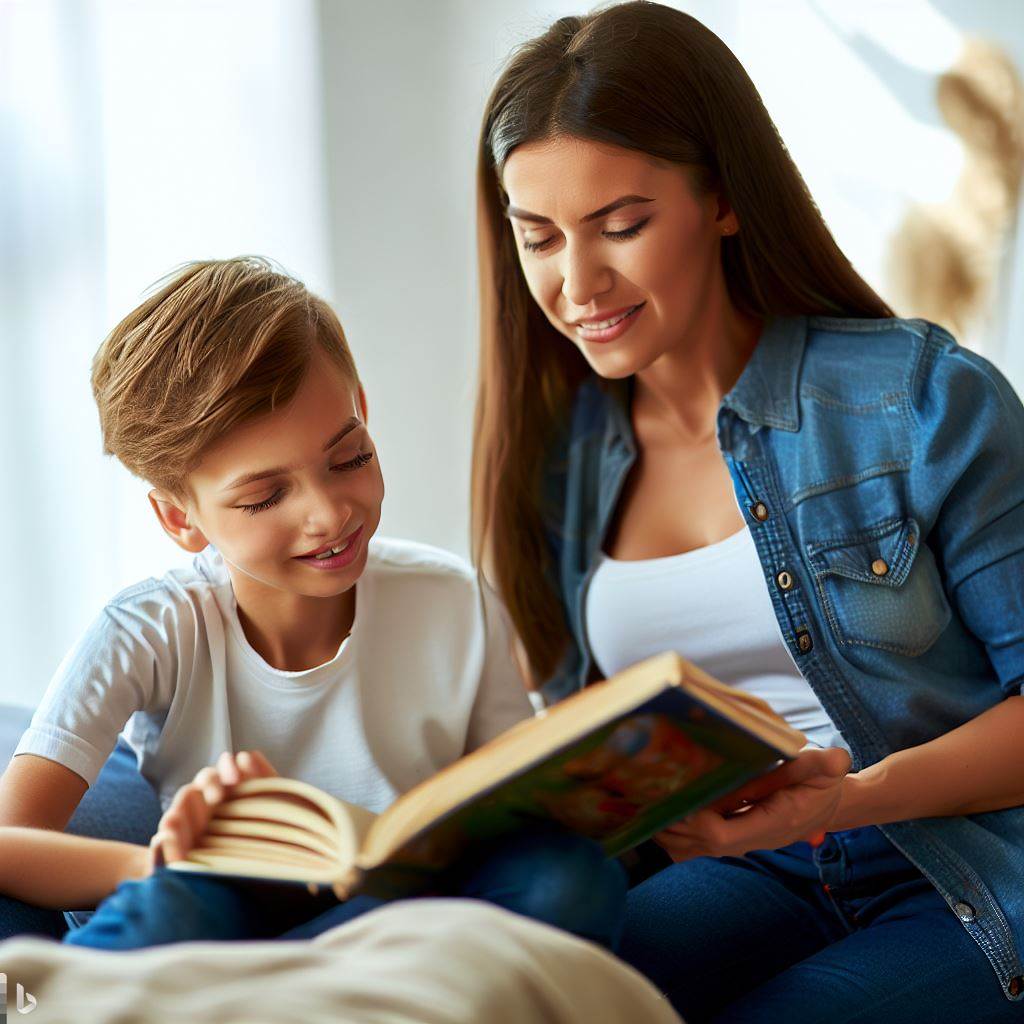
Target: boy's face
x=327, y=490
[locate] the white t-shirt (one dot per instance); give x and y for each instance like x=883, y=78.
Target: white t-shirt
x=425, y=675
x=712, y=606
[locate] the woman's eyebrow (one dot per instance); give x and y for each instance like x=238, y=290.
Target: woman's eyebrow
x=248, y=478
x=616, y=204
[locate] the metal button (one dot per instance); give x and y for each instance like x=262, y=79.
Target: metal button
x=759, y=510
x=879, y=567
x=804, y=641
x=784, y=580
x=1015, y=986
x=964, y=911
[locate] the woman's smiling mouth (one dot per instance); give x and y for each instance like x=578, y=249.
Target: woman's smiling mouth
x=610, y=326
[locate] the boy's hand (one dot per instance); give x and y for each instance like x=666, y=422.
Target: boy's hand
x=185, y=821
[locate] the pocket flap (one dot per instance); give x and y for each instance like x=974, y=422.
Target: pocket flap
x=882, y=555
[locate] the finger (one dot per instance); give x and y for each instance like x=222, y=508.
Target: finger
x=758, y=789
x=263, y=767
x=174, y=808
x=156, y=853
x=228, y=770
x=214, y=793
x=197, y=811
x=170, y=846
x=830, y=763
x=178, y=825
x=205, y=776
x=246, y=764
x=836, y=761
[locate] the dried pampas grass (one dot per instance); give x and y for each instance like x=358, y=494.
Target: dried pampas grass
x=944, y=260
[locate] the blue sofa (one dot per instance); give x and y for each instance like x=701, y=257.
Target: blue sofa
x=121, y=805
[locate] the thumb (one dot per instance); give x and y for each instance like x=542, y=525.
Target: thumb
x=834, y=761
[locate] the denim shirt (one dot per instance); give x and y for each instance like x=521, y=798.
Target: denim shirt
x=880, y=469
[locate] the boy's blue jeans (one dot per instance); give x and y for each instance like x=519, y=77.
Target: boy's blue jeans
x=850, y=932
x=560, y=879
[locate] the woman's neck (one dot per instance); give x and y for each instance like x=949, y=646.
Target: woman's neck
x=681, y=392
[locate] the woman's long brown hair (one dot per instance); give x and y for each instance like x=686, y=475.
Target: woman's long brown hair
x=652, y=79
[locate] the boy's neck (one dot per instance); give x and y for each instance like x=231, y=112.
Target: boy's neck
x=292, y=632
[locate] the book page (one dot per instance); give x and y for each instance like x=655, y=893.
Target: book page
x=281, y=828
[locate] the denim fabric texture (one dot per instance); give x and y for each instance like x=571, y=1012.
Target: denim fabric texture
x=850, y=932
x=561, y=879
x=881, y=465
x=121, y=805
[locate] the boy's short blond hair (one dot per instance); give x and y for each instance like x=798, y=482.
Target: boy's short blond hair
x=221, y=343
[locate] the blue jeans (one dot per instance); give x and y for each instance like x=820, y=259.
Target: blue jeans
x=560, y=879
x=850, y=932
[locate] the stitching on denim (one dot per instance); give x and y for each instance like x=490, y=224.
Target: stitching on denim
x=873, y=532
x=888, y=400
x=906, y=555
x=825, y=486
x=915, y=326
x=954, y=863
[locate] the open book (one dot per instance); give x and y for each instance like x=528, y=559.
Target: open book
x=616, y=762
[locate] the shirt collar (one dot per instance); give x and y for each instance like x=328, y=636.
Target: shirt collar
x=767, y=390
x=766, y=393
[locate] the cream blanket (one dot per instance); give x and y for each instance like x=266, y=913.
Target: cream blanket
x=431, y=961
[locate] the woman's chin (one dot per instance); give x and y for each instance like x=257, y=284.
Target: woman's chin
x=614, y=365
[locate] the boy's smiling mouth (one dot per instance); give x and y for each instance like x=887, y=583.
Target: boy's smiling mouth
x=339, y=547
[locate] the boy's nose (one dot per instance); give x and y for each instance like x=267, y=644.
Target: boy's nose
x=327, y=521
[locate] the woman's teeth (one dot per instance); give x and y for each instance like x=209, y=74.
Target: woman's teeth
x=601, y=325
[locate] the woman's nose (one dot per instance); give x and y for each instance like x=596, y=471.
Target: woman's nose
x=584, y=277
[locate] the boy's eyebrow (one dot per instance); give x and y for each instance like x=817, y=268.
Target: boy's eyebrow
x=615, y=204
x=247, y=478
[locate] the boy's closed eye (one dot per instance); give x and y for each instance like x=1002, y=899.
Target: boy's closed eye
x=357, y=462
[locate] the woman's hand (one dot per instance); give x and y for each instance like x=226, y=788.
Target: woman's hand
x=184, y=822
x=796, y=801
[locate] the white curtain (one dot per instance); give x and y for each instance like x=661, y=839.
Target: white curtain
x=135, y=136
x=338, y=137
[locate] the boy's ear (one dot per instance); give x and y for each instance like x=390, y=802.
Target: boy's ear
x=176, y=523
x=362, y=404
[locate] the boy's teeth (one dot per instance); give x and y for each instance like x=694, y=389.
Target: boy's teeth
x=331, y=552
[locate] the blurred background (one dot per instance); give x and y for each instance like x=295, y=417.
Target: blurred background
x=338, y=138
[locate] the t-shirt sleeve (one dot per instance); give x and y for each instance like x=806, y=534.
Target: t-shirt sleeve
x=501, y=700
x=111, y=672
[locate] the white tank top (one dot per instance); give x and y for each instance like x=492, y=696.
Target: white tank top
x=713, y=607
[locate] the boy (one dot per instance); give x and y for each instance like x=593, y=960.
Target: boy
x=360, y=665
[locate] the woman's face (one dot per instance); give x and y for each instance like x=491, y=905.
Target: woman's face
x=617, y=249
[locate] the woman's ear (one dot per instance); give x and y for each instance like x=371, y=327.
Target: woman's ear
x=175, y=522
x=725, y=218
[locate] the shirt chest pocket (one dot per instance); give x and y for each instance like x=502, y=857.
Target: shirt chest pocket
x=881, y=588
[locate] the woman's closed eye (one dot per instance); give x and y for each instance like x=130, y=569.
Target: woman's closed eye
x=360, y=460
x=616, y=236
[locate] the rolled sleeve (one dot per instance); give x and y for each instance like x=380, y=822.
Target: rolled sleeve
x=973, y=461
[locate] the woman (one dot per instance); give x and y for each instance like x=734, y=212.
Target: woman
x=698, y=428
